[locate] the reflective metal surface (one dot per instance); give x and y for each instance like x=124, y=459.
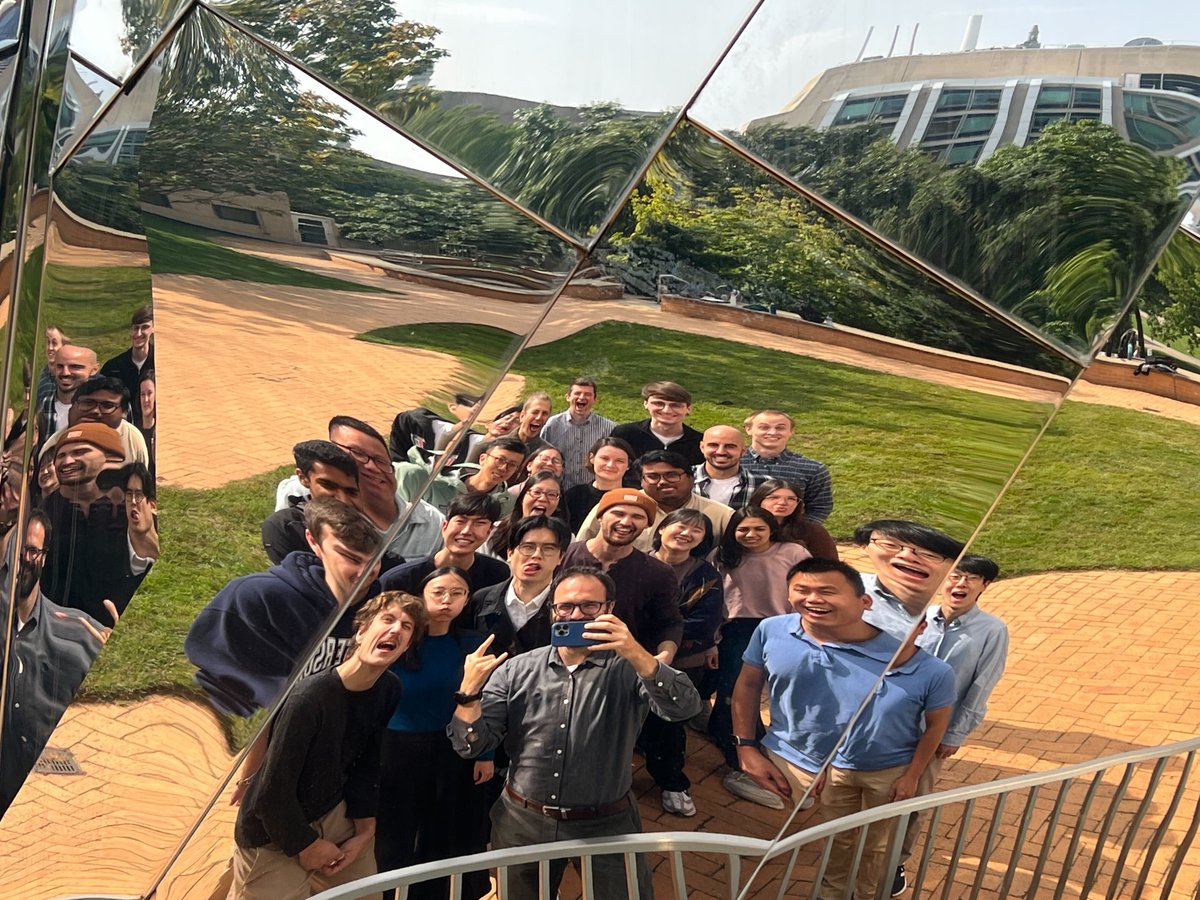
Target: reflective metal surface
x=513, y=198
x=935, y=139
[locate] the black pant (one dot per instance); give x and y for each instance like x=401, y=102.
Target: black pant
x=735, y=637
x=665, y=745
x=429, y=809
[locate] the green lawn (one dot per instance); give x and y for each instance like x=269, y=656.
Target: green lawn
x=1105, y=488
x=179, y=249
x=896, y=446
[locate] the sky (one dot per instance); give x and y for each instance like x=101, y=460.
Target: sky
x=652, y=54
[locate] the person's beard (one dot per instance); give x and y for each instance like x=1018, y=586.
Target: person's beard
x=28, y=575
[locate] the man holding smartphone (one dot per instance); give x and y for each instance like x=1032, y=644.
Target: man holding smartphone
x=560, y=712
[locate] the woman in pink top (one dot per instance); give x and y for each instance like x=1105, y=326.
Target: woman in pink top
x=754, y=563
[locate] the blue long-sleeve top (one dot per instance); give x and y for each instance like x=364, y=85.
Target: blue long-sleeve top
x=427, y=693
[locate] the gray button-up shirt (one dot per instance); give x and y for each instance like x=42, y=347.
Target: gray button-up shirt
x=976, y=646
x=570, y=735
x=887, y=613
x=573, y=440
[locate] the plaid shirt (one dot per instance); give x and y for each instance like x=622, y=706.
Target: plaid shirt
x=747, y=484
x=801, y=471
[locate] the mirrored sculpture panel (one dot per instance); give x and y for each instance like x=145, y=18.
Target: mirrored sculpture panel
x=553, y=106
x=308, y=263
x=1041, y=176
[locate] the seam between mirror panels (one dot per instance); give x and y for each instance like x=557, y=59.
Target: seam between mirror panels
x=890, y=246
x=393, y=530
x=543, y=223
x=95, y=69
x=1139, y=283
x=680, y=117
x=130, y=83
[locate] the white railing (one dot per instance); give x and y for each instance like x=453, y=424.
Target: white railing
x=1091, y=832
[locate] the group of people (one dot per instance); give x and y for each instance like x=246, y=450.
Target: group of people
x=417, y=586
x=89, y=531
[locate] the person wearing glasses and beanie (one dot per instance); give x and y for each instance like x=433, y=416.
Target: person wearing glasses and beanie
x=568, y=718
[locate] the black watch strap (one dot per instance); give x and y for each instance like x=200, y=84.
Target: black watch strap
x=463, y=699
x=745, y=742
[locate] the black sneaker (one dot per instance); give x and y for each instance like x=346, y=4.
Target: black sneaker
x=899, y=883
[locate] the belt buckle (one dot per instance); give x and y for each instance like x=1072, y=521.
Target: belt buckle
x=553, y=812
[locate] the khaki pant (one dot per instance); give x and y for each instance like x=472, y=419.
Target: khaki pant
x=797, y=777
x=925, y=785
x=849, y=791
x=267, y=873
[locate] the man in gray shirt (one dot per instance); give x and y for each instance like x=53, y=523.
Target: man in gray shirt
x=568, y=717
x=576, y=430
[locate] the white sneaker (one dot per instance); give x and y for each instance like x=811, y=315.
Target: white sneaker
x=742, y=785
x=678, y=803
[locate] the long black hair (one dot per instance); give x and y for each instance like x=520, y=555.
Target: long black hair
x=730, y=552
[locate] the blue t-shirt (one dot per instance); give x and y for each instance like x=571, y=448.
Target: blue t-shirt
x=815, y=688
x=427, y=694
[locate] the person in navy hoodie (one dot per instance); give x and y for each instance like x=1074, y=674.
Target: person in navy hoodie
x=260, y=628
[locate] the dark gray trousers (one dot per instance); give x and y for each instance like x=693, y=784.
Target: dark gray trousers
x=516, y=826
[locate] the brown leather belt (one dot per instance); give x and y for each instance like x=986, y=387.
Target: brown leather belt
x=572, y=813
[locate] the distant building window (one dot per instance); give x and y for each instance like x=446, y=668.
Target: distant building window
x=236, y=214
x=962, y=120
x=131, y=147
x=881, y=112
x=1182, y=84
x=1065, y=103
x=312, y=231
x=1159, y=121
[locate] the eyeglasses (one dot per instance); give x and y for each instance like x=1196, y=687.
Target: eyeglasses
x=443, y=593
x=135, y=496
x=33, y=553
x=664, y=477
x=955, y=577
x=105, y=406
x=365, y=459
x=529, y=548
x=539, y=494
x=895, y=547
x=667, y=404
x=503, y=462
x=587, y=607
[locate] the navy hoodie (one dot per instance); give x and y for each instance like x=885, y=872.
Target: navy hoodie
x=252, y=636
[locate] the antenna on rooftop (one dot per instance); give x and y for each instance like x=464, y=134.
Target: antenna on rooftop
x=866, y=41
x=895, y=34
x=912, y=45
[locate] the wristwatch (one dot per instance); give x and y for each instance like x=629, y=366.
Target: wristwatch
x=463, y=699
x=745, y=742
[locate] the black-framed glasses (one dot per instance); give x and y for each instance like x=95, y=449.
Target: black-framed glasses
x=33, y=554
x=664, y=477
x=539, y=494
x=587, y=607
x=890, y=546
x=503, y=461
x=90, y=403
x=135, y=496
x=365, y=458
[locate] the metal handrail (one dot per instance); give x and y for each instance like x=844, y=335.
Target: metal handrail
x=736, y=847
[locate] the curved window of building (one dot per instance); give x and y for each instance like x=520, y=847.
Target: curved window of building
x=1161, y=122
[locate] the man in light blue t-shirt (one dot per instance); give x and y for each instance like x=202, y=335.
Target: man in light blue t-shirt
x=818, y=665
